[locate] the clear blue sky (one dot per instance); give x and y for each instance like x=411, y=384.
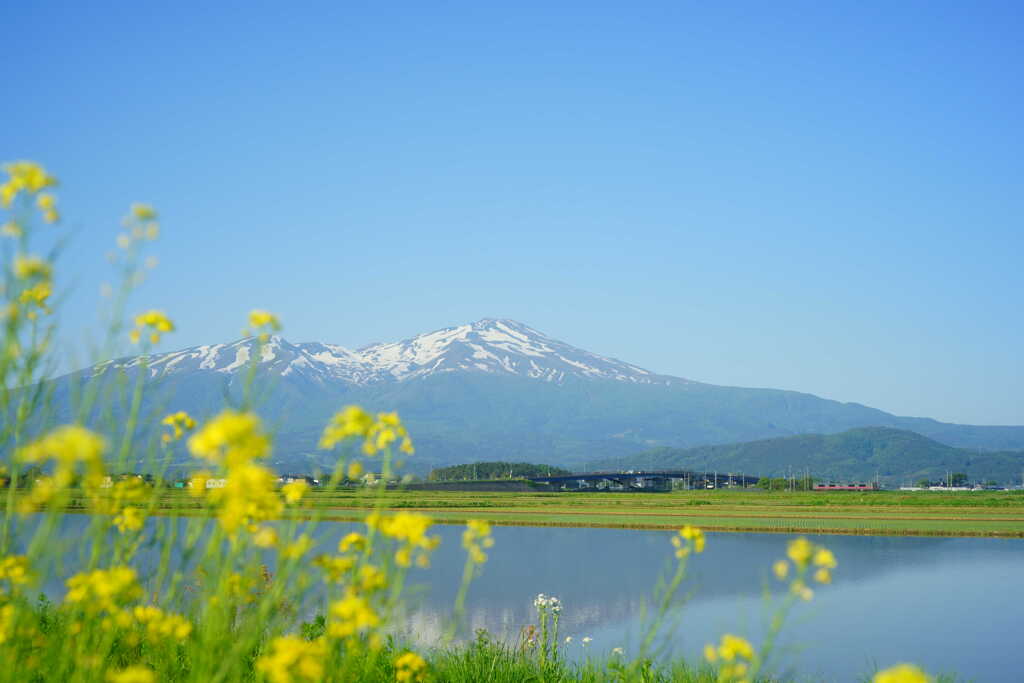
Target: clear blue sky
x=826, y=197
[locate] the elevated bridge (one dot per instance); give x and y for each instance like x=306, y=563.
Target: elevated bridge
x=647, y=480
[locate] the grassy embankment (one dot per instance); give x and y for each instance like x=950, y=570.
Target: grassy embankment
x=996, y=514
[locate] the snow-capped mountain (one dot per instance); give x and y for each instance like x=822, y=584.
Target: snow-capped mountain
x=502, y=347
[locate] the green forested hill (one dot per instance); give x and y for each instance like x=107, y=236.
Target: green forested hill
x=493, y=470
x=896, y=455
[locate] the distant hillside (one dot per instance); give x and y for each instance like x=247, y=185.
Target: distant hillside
x=490, y=390
x=857, y=454
x=493, y=470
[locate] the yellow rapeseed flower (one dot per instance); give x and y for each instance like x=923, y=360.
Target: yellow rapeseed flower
x=410, y=668
x=355, y=470
x=197, y=485
x=103, y=589
x=378, y=432
x=265, y=537
x=410, y=529
x=336, y=568
x=8, y=617
x=130, y=519
x=179, y=423
x=67, y=445
x=47, y=203
x=29, y=267
x=294, y=491
x=292, y=658
x=733, y=656
x=143, y=212
x=37, y=295
x=824, y=558
x=26, y=176
x=801, y=590
x=901, y=673
x=371, y=578
x=259, y=318
x=231, y=438
x=156, y=321
x=162, y=625
x=297, y=548
x=352, y=541
x=351, y=615
x=248, y=496
x=781, y=569
x=15, y=568
x=133, y=674
x=800, y=551
x=349, y=421
x=476, y=538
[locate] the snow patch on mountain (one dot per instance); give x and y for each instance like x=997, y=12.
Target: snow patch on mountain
x=493, y=346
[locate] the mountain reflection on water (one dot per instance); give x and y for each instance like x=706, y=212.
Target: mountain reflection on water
x=948, y=604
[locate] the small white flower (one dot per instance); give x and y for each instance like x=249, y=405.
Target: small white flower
x=618, y=651
x=586, y=640
x=568, y=639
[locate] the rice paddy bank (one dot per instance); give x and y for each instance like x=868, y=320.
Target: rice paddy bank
x=993, y=514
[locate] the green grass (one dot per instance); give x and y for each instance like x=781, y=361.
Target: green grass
x=902, y=513
x=997, y=514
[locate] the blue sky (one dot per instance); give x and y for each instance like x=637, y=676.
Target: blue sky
x=825, y=197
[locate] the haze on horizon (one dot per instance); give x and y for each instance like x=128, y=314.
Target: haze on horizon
x=823, y=198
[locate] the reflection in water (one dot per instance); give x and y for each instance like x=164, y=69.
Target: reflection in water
x=950, y=605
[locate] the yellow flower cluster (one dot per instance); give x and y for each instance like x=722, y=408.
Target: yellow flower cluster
x=8, y=617
x=28, y=177
x=143, y=212
x=157, y=322
x=901, y=673
x=475, y=539
x=232, y=438
x=133, y=674
x=162, y=625
x=410, y=530
x=262, y=323
x=47, y=204
x=294, y=491
x=36, y=296
x=31, y=268
x=410, y=668
x=179, y=423
x=378, y=433
x=733, y=656
x=352, y=541
x=352, y=615
x=117, y=499
x=247, y=497
x=334, y=567
x=141, y=224
x=103, y=589
x=291, y=658
x=15, y=569
x=689, y=538
x=806, y=556
x=68, y=446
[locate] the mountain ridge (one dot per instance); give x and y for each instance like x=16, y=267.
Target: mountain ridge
x=497, y=389
x=859, y=454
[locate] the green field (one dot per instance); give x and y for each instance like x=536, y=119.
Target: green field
x=997, y=513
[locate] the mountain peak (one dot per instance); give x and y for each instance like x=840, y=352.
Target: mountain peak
x=489, y=345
